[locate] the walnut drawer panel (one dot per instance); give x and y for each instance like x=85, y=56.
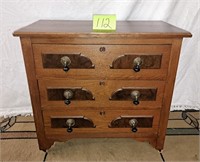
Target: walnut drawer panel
x=112, y=94
x=97, y=61
x=101, y=122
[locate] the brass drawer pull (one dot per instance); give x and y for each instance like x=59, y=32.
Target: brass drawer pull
x=133, y=123
x=70, y=123
x=65, y=61
x=68, y=94
x=137, y=64
x=135, y=96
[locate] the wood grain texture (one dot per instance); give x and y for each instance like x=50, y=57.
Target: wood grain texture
x=61, y=135
x=44, y=144
x=138, y=29
x=169, y=87
x=100, y=41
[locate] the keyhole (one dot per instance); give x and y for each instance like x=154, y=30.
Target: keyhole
x=102, y=83
x=102, y=113
x=102, y=49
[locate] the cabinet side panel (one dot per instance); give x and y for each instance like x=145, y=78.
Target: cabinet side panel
x=44, y=144
x=169, y=87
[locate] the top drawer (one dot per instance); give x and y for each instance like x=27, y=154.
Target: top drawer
x=102, y=61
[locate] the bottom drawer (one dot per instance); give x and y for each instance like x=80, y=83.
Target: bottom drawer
x=110, y=123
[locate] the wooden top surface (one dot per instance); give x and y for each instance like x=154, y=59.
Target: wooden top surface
x=135, y=29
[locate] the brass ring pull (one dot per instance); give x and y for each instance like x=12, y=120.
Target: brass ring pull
x=65, y=61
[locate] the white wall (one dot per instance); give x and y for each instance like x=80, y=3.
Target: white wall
x=14, y=95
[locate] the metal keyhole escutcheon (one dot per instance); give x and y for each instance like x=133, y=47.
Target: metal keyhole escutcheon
x=102, y=49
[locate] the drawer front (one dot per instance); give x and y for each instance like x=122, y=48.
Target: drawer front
x=66, y=61
x=86, y=122
x=113, y=94
x=69, y=93
x=100, y=61
x=133, y=94
x=137, y=61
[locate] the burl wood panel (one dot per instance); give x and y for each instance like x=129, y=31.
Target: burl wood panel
x=78, y=61
x=123, y=122
x=80, y=122
x=78, y=94
x=125, y=94
x=126, y=61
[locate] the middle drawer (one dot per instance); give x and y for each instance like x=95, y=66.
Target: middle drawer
x=110, y=94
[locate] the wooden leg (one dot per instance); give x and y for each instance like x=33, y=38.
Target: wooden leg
x=153, y=143
x=45, y=144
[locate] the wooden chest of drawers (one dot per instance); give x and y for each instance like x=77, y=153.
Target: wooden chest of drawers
x=88, y=84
